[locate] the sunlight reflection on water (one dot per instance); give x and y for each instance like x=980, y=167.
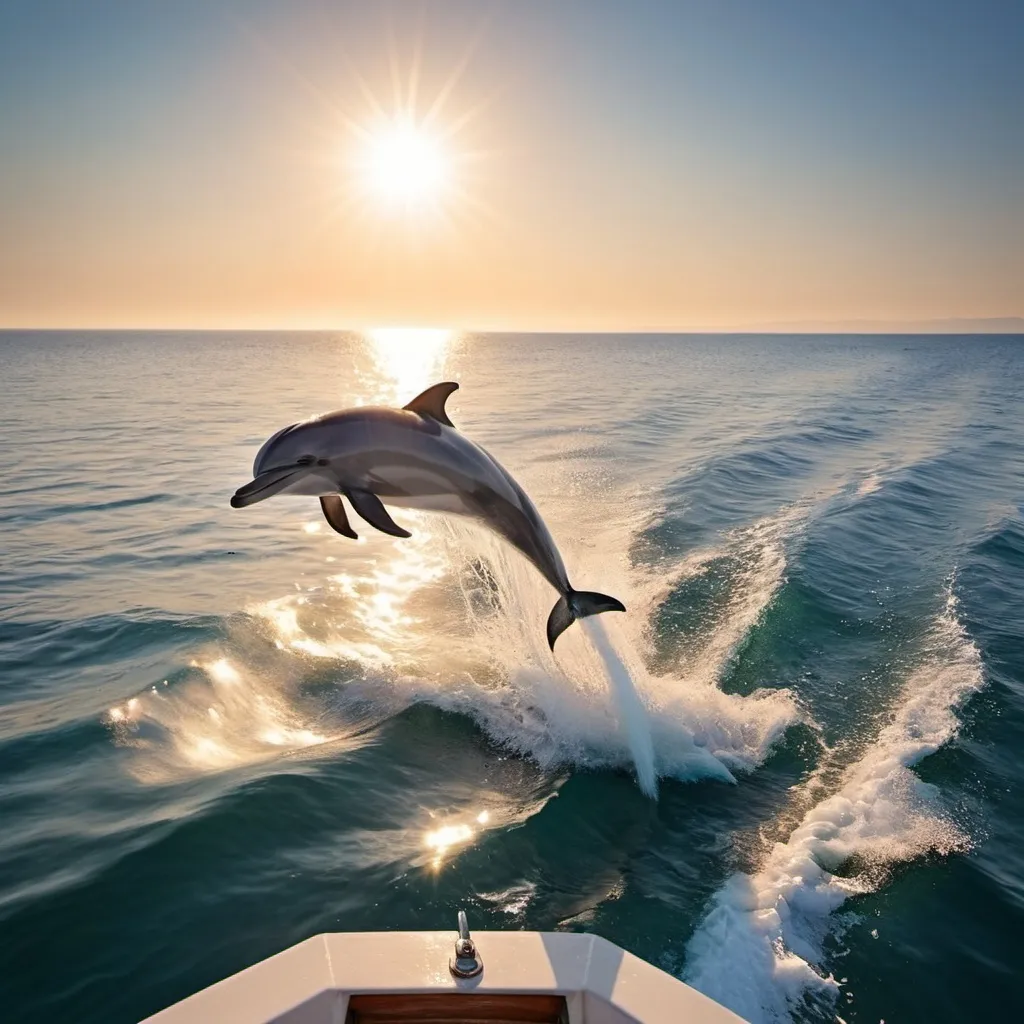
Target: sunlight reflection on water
x=236, y=714
x=362, y=613
x=409, y=359
x=453, y=835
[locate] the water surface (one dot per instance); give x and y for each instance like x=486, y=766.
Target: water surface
x=224, y=731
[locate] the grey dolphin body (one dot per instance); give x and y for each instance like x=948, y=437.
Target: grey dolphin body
x=412, y=458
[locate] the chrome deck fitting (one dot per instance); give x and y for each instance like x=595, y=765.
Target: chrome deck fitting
x=465, y=963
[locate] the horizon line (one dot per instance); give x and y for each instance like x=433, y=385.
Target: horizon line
x=1005, y=325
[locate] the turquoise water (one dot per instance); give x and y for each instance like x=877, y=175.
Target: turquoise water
x=224, y=731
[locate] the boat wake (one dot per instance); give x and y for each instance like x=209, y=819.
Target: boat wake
x=760, y=949
x=724, y=591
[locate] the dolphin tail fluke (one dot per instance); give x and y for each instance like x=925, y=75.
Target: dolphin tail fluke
x=578, y=604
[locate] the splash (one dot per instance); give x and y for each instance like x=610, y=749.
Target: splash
x=760, y=948
x=631, y=711
x=454, y=617
x=595, y=705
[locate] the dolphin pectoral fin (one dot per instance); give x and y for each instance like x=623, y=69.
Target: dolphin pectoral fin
x=264, y=486
x=578, y=604
x=334, y=513
x=431, y=402
x=370, y=507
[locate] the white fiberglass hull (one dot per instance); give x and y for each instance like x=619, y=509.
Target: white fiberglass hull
x=327, y=979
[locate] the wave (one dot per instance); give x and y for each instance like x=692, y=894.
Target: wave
x=709, y=605
x=759, y=950
x=223, y=714
x=454, y=618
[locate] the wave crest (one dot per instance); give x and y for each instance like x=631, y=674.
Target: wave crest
x=759, y=950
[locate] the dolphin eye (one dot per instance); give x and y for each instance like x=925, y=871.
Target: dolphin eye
x=305, y=460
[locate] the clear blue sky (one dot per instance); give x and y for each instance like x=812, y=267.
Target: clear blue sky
x=613, y=163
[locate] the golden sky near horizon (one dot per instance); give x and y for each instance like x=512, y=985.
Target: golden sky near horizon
x=504, y=166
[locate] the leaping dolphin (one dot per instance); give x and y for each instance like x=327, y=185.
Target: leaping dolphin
x=413, y=458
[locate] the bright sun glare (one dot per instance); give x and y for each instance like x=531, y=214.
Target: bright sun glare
x=410, y=156
x=404, y=165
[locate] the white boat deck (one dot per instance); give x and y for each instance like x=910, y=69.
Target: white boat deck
x=326, y=979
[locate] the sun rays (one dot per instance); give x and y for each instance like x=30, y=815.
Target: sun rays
x=407, y=158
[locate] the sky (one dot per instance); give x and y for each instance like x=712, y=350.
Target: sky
x=522, y=165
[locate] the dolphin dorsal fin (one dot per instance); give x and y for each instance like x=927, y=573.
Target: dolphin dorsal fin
x=431, y=402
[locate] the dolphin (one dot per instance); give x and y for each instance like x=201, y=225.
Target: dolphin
x=412, y=457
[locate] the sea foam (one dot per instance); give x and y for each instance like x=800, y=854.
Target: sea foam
x=759, y=950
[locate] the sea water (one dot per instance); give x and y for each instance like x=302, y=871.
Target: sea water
x=222, y=731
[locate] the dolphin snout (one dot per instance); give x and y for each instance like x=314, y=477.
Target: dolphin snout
x=264, y=486
x=247, y=495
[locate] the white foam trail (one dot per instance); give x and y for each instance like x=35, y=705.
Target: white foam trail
x=632, y=713
x=759, y=950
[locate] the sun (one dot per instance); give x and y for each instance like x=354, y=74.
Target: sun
x=403, y=165
x=412, y=160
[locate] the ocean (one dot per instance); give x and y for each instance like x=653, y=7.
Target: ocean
x=223, y=731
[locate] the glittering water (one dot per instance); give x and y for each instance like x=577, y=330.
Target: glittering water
x=223, y=731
